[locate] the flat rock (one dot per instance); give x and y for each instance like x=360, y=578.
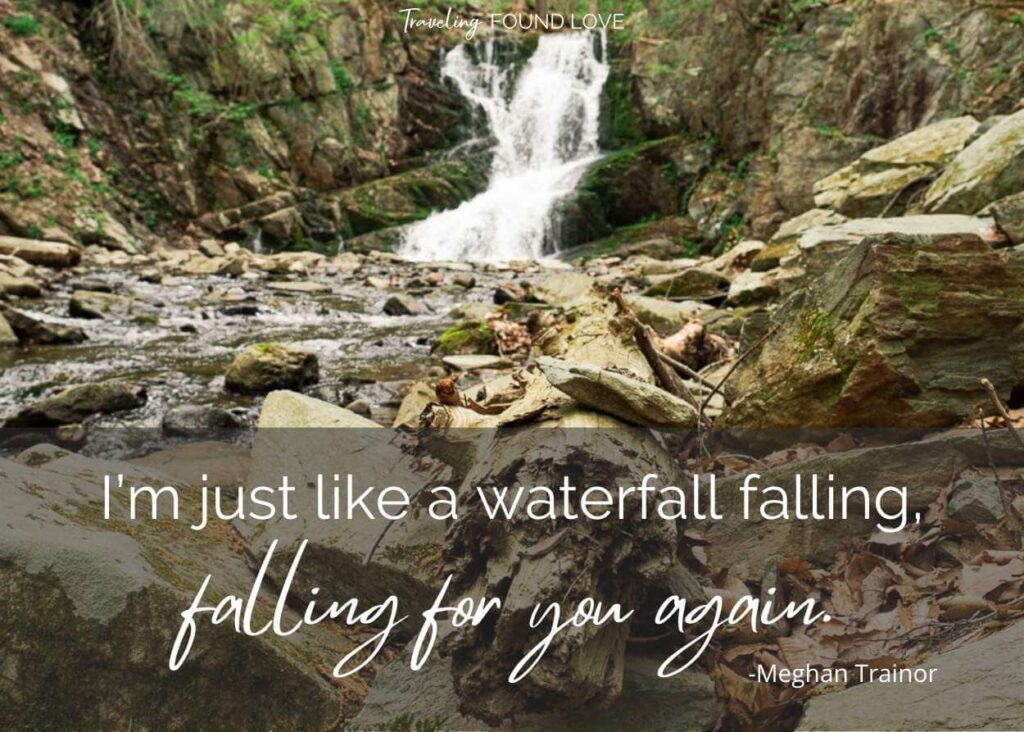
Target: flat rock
x=821, y=247
x=751, y=288
x=45, y=253
x=697, y=282
x=883, y=177
x=98, y=305
x=988, y=169
x=975, y=686
x=300, y=288
x=475, y=362
x=628, y=399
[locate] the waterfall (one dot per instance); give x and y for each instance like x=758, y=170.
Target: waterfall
x=547, y=136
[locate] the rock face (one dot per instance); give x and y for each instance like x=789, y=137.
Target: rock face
x=892, y=336
x=976, y=686
x=989, y=168
x=267, y=366
x=76, y=403
x=882, y=180
x=76, y=589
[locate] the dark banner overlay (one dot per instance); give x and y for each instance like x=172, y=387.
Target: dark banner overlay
x=546, y=578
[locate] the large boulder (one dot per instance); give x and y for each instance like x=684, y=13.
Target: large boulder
x=362, y=557
x=76, y=403
x=896, y=334
x=267, y=366
x=975, y=686
x=820, y=248
x=988, y=169
x=883, y=179
x=88, y=604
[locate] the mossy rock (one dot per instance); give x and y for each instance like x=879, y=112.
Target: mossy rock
x=467, y=336
x=891, y=336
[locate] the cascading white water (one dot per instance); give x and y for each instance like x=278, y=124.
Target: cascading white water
x=547, y=135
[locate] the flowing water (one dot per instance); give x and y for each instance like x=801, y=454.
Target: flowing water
x=547, y=135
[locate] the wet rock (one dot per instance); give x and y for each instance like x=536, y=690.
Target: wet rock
x=467, y=336
x=464, y=280
x=647, y=702
x=562, y=288
x=976, y=499
x=628, y=399
x=665, y=316
x=401, y=304
x=30, y=328
x=509, y=292
x=891, y=336
x=821, y=247
x=988, y=169
x=19, y=286
x=190, y=420
x=691, y=283
x=750, y=288
x=44, y=253
x=76, y=403
x=975, y=686
x=267, y=366
x=1009, y=216
x=98, y=305
x=883, y=179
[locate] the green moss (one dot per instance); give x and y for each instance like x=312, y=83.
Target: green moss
x=22, y=25
x=919, y=292
x=469, y=336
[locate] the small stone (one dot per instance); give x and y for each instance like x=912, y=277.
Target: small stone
x=19, y=286
x=211, y=248
x=404, y=305
x=976, y=499
x=464, y=280
x=93, y=305
x=509, y=292
x=475, y=362
x=190, y=419
x=360, y=407
x=301, y=288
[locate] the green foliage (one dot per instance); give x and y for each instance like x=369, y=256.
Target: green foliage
x=342, y=79
x=12, y=158
x=22, y=25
